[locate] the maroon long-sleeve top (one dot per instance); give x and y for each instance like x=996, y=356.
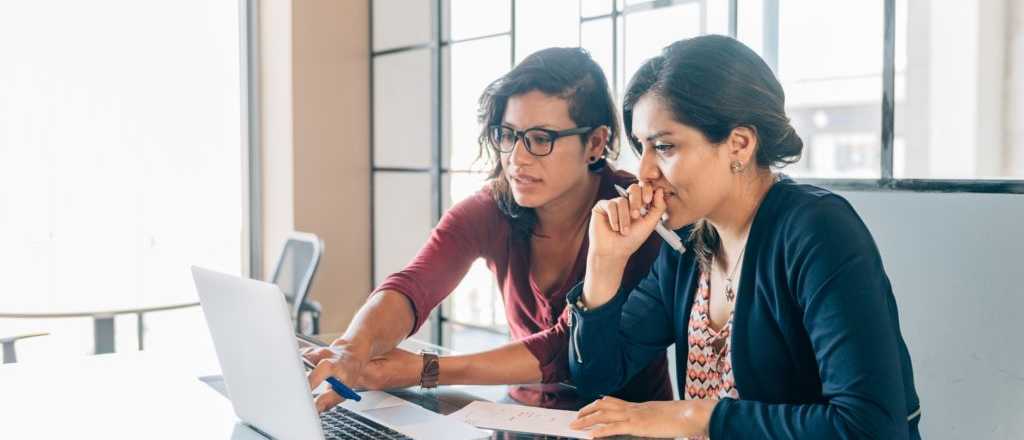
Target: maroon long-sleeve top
x=476, y=228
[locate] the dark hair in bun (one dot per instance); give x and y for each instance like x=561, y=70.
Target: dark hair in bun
x=714, y=84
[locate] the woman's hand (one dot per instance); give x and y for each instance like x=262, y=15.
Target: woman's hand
x=342, y=360
x=617, y=229
x=678, y=418
x=395, y=369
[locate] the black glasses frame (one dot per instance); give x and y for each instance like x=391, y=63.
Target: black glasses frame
x=521, y=134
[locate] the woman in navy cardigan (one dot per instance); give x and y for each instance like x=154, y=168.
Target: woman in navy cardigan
x=784, y=320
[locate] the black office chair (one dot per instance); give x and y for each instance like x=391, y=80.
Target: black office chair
x=294, y=274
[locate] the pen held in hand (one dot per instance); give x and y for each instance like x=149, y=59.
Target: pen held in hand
x=669, y=236
x=336, y=385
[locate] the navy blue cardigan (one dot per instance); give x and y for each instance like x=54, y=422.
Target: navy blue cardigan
x=816, y=345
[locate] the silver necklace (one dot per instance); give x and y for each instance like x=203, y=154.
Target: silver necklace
x=730, y=292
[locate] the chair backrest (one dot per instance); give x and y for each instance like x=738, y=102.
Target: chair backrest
x=296, y=267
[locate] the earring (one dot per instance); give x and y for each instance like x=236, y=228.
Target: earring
x=736, y=167
x=593, y=159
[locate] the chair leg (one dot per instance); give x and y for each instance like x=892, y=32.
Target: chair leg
x=10, y=356
x=103, y=334
x=141, y=330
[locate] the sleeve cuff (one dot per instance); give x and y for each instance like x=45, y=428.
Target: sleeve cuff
x=417, y=320
x=593, y=340
x=716, y=426
x=611, y=308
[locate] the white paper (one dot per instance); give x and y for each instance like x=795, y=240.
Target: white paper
x=520, y=418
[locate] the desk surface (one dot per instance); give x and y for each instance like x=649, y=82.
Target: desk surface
x=144, y=395
x=129, y=395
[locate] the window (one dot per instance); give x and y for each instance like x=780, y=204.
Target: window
x=875, y=112
x=899, y=94
x=425, y=142
x=831, y=71
x=120, y=162
x=958, y=81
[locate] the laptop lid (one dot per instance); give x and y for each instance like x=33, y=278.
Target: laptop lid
x=252, y=335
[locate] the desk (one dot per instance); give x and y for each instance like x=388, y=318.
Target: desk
x=144, y=395
x=103, y=320
x=123, y=395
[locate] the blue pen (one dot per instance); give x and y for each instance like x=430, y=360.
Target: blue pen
x=336, y=385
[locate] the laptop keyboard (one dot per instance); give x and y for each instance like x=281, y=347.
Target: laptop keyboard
x=340, y=423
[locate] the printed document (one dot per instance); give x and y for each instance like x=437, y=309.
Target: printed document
x=520, y=418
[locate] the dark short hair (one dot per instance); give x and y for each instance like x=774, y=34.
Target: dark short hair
x=714, y=84
x=565, y=72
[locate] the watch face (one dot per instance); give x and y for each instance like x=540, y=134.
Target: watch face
x=432, y=365
x=431, y=370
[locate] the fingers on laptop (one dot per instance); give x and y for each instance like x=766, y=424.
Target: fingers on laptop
x=324, y=369
x=316, y=355
x=327, y=401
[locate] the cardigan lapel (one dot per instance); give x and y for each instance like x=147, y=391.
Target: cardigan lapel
x=765, y=220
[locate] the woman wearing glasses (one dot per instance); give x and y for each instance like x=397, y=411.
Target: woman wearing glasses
x=784, y=321
x=548, y=127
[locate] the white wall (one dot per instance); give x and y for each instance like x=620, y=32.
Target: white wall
x=955, y=261
x=1015, y=89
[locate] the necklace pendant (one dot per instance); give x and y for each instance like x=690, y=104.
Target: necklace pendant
x=730, y=294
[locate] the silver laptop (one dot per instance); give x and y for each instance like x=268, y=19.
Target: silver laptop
x=258, y=354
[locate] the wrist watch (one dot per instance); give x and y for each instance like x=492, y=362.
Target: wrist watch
x=431, y=370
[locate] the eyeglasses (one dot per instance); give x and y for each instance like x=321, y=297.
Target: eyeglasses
x=538, y=141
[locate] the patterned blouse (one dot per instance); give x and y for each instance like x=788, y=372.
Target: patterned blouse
x=709, y=359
